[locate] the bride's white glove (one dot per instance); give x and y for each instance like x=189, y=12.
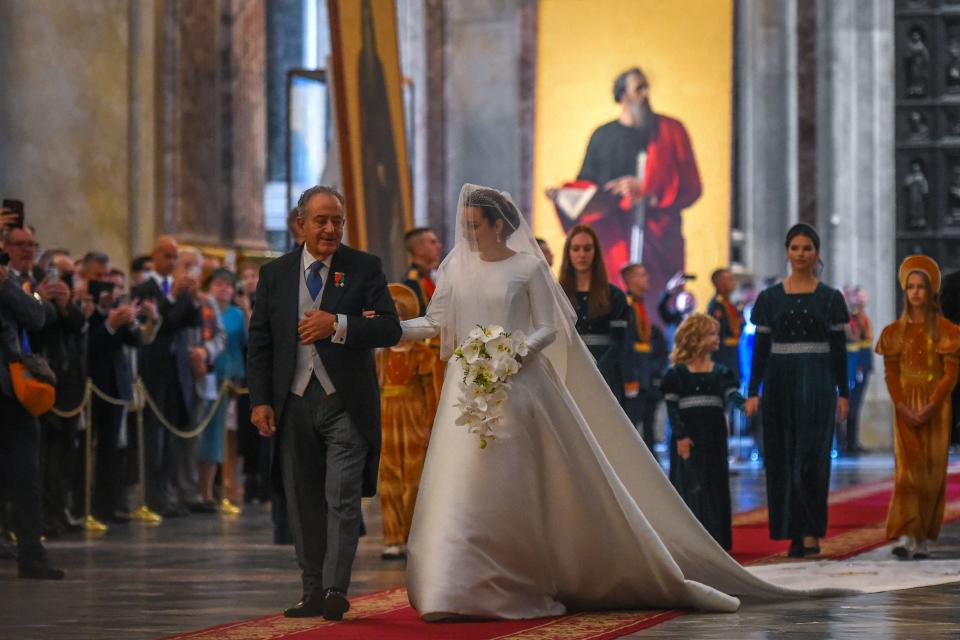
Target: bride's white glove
x=420, y=328
x=539, y=339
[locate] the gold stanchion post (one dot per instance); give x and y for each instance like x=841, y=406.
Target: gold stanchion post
x=90, y=524
x=142, y=513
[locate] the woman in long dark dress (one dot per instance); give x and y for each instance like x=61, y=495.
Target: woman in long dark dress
x=697, y=392
x=800, y=359
x=602, y=309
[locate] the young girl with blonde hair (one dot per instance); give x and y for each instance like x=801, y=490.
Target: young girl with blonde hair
x=697, y=391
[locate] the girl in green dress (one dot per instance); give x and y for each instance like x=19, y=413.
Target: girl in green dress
x=697, y=392
x=800, y=363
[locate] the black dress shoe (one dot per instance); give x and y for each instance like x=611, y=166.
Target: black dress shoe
x=39, y=571
x=203, y=507
x=8, y=550
x=796, y=549
x=175, y=512
x=335, y=604
x=310, y=606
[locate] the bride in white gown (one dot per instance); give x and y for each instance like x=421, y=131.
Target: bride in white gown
x=566, y=508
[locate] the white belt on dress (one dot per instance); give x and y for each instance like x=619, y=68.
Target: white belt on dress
x=596, y=339
x=700, y=401
x=795, y=348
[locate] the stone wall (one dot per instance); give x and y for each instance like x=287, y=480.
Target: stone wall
x=65, y=133
x=123, y=119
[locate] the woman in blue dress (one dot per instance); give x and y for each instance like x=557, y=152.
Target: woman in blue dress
x=800, y=368
x=229, y=366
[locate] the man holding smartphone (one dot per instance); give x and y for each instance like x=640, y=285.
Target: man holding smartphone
x=160, y=369
x=20, y=311
x=113, y=325
x=63, y=344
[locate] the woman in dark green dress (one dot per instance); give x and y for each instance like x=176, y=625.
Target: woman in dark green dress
x=602, y=309
x=800, y=362
x=697, y=392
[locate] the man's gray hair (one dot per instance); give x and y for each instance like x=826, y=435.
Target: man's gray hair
x=315, y=191
x=95, y=256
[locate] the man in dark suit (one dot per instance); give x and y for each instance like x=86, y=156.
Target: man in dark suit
x=113, y=325
x=178, y=309
x=21, y=312
x=313, y=382
x=63, y=344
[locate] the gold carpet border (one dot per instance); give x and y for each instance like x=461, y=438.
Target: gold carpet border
x=279, y=627
x=584, y=626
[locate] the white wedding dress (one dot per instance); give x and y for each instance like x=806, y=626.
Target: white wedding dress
x=566, y=509
x=555, y=513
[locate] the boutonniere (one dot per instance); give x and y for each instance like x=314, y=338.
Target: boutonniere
x=339, y=279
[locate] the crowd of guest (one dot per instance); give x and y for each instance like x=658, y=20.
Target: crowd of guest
x=175, y=320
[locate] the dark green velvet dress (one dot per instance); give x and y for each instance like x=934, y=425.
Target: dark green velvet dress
x=605, y=336
x=696, y=405
x=800, y=359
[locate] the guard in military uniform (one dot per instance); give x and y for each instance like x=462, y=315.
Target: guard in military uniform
x=730, y=318
x=645, y=357
x=425, y=253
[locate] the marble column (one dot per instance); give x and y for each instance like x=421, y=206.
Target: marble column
x=858, y=191
x=484, y=118
x=412, y=36
x=213, y=123
x=767, y=155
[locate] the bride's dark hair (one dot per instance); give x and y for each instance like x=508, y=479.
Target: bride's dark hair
x=494, y=206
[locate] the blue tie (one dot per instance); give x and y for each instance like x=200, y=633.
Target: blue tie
x=315, y=280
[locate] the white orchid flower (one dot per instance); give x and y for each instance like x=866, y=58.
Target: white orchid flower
x=492, y=332
x=471, y=351
x=480, y=369
x=506, y=366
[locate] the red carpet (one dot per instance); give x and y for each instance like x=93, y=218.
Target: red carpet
x=857, y=519
x=386, y=615
x=856, y=523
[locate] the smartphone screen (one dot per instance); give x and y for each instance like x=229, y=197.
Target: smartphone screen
x=15, y=206
x=96, y=287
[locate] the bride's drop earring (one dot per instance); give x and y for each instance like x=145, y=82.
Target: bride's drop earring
x=499, y=238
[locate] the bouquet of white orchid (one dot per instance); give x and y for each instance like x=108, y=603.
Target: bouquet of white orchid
x=490, y=356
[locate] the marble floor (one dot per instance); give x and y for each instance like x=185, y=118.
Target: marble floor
x=204, y=570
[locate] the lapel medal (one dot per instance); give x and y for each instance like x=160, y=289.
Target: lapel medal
x=338, y=279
